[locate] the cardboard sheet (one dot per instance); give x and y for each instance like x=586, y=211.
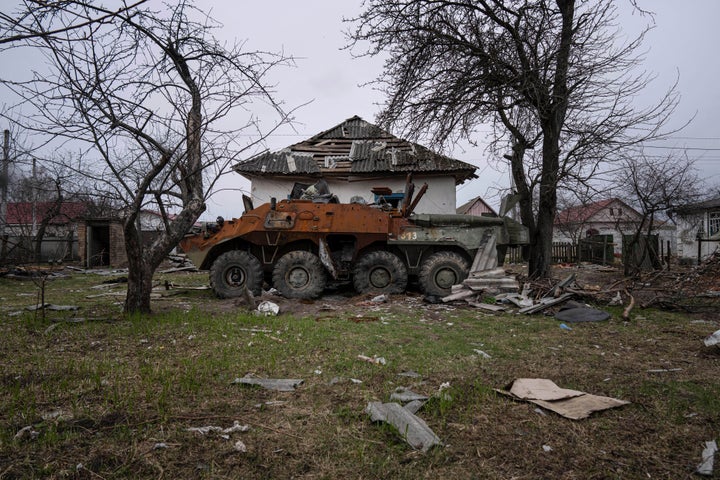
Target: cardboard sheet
x=572, y=404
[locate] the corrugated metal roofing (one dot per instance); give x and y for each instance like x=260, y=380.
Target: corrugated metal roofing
x=284, y=161
x=354, y=147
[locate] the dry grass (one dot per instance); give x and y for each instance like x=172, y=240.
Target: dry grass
x=104, y=393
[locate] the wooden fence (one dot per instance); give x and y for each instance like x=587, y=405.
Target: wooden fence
x=562, y=252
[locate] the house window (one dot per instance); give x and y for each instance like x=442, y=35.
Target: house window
x=713, y=223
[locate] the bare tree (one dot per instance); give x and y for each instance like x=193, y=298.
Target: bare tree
x=144, y=97
x=654, y=185
x=552, y=77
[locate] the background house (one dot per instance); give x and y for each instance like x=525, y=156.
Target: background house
x=607, y=221
x=58, y=222
x=476, y=206
x=101, y=241
x=353, y=158
x=698, y=219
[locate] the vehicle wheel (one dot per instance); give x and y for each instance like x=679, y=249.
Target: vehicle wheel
x=235, y=270
x=441, y=271
x=380, y=272
x=299, y=274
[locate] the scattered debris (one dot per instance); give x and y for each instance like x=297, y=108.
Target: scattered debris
x=413, y=429
x=414, y=406
x=572, y=404
x=565, y=327
x=616, y=300
x=336, y=380
x=189, y=268
x=54, y=308
x=575, y=312
x=487, y=306
x=379, y=299
x=374, y=359
x=211, y=428
x=547, y=448
x=708, y=459
x=26, y=433
x=56, y=415
x=546, y=302
x=405, y=395
x=712, y=339
x=160, y=446
x=268, y=308
x=664, y=370
x=481, y=353
x=280, y=384
x=410, y=374
x=240, y=447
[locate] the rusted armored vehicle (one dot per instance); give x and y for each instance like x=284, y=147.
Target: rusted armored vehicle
x=299, y=246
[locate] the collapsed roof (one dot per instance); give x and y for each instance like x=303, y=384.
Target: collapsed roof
x=354, y=148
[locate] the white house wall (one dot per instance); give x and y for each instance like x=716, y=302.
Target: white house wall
x=665, y=234
x=687, y=228
x=439, y=198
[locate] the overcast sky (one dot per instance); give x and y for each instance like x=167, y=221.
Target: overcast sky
x=684, y=43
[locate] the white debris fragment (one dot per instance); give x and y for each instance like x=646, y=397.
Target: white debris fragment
x=269, y=309
x=237, y=427
x=708, y=459
x=240, y=447
x=547, y=448
x=355, y=380
x=379, y=299
x=160, y=446
x=374, y=359
x=26, y=433
x=616, y=300
x=279, y=384
x=712, y=339
x=55, y=415
x=481, y=353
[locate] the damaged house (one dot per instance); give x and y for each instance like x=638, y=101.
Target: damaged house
x=603, y=227
x=698, y=228
x=353, y=158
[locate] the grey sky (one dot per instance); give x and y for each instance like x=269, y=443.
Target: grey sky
x=683, y=42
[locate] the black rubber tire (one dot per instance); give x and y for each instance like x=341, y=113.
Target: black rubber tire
x=380, y=272
x=299, y=274
x=441, y=271
x=235, y=270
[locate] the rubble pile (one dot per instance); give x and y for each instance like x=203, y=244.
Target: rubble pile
x=701, y=280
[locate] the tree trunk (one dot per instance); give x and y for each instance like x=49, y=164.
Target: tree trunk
x=541, y=251
x=552, y=119
x=140, y=270
x=139, y=286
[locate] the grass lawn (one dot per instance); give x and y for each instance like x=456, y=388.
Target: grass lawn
x=109, y=396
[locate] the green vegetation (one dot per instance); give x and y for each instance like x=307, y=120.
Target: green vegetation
x=111, y=396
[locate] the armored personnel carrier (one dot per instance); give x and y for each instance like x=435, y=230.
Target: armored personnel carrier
x=299, y=246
